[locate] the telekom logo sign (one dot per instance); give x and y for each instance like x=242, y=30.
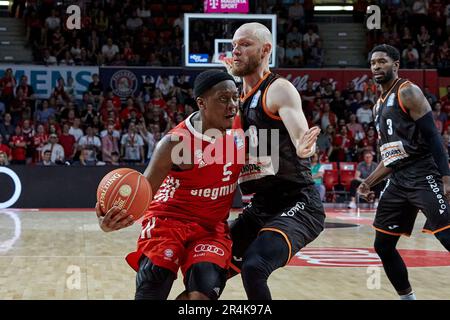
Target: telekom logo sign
x=213, y=4
x=226, y=6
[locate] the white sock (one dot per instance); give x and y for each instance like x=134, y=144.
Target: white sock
x=409, y=296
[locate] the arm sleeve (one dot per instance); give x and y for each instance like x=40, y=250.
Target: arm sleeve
x=433, y=138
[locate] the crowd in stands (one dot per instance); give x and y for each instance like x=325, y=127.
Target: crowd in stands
x=97, y=129
x=419, y=29
x=142, y=32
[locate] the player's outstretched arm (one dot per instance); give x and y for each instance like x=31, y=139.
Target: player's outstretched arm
x=373, y=179
x=284, y=99
x=414, y=101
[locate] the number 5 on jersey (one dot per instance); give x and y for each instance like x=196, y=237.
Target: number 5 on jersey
x=227, y=173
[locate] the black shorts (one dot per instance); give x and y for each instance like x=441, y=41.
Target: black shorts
x=298, y=215
x=398, y=207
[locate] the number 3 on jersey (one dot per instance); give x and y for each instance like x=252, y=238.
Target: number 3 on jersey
x=389, y=124
x=227, y=173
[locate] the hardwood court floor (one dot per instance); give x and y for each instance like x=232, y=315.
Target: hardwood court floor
x=51, y=254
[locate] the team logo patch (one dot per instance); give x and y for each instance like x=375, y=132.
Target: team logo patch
x=255, y=100
x=391, y=99
x=124, y=83
x=125, y=190
x=168, y=253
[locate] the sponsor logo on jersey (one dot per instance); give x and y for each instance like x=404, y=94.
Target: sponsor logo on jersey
x=257, y=168
x=295, y=209
x=201, y=247
x=255, y=100
x=214, y=193
x=437, y=191
x=391, y=99
x=392, y=152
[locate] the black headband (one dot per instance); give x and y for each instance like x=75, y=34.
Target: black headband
x=208, y=79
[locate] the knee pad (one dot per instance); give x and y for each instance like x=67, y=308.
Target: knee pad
x=153, y=282
x=207, y=278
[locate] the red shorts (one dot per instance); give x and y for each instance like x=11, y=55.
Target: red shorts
x=170, y=243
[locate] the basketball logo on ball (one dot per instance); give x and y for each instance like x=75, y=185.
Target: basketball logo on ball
x=127, y=189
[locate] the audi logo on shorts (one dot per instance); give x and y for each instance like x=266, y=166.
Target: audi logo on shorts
x=209, y=248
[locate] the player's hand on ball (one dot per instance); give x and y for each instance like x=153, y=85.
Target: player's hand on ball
x=307, y=144
x=114, y=219
x=365, y=193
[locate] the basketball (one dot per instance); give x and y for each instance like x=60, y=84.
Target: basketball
x=127, y=189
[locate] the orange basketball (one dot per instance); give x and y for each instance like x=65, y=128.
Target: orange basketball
x=127, y=189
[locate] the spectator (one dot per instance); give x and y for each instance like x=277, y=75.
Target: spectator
x=132, y=148
x=342, y=146
x=110, y=144
x=310, y=38
x=355, y=128
x=440, y=118
x=44, y=113
x=88, y=115
x=90, y=142
x=5, y=149
x=445, y=102
x=327, y=117
x=53, y=22
x=134, y=23
x=68, y=143
x=317, y=172
x=363, y=170
x=294, y=54
x=294, y=35
x=317, y=55
x=18, y=146
x=3, y=159
x=95, y=88
x=86, y=158
x=75, y=129
x=57, y=151
x=368, y=143
x=365, y=113
x=7, y=86
x=115, y=159
x=27, y=89
x=109, y=50
x=429, y=95
x=149, y=139
x=7, y=128
x=46, y=159
x=324, y=143
x=410, y=57
x=40, y=139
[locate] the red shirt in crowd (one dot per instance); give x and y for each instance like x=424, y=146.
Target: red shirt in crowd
x=18, y=153
x=67, y=142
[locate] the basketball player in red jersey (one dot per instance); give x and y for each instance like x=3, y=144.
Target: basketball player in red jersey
x=413, y=154
x=285, y=213
x=186, y=224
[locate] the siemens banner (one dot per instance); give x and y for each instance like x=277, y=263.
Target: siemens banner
x=43, y=79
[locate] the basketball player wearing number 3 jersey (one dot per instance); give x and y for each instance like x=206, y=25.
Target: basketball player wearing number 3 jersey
x=412, y=153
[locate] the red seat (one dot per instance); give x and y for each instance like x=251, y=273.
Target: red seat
x=346, y=178
x=330, y=179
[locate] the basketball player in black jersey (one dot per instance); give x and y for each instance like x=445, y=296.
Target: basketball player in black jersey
x=412, y=153
x=286, y=212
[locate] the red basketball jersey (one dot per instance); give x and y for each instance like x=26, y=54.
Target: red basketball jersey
x=203, y=194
